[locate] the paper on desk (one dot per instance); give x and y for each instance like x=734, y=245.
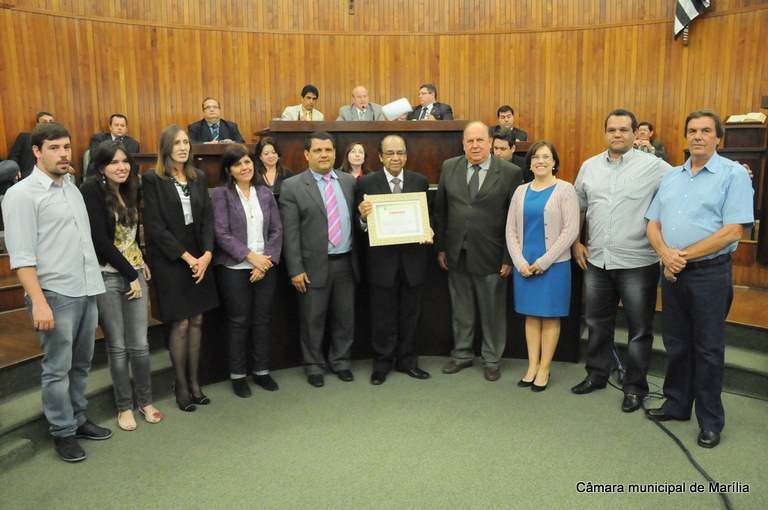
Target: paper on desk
x=395, y=109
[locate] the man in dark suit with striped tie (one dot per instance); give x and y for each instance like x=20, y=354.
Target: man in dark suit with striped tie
x=429, y=108
x=395, y=272
x=212, y=128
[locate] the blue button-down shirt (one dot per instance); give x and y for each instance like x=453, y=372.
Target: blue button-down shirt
x=46, y=227
x=346, y=225
x=693, y=207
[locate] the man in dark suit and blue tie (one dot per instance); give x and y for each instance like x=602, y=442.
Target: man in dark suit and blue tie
x=470, y=215
x=118, y=131
x=429, y=108
x=395, y=272
x=318, y=249
x=212, y=128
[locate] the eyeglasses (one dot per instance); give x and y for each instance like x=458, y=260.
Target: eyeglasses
x=543, y=157
x=212, y=107
x=391, y=154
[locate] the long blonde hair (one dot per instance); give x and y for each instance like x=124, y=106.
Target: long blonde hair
x=164, y=165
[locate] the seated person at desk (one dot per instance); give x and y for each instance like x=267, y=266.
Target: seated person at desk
x=361, y=108
x=504, y=148
x=212, y=128
x=647, y=143
x=21, y=152
x=429, y=108
x=506, y=117
x=305, y=110
x=118, y=131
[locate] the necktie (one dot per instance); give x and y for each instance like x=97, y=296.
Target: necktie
x=423, y=113
x=396, y=185
x=119, y=139
x=332, y=212
x=474, y=182
x=215, y=132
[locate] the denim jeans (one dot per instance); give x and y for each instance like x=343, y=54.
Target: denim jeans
x=249, y=310
x=636, y=288
x=67, y=353
x=125, y=327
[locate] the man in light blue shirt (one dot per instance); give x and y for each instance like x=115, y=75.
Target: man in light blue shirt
x=695, y=223
x=49, y=242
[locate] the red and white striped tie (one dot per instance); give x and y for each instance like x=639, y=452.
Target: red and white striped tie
x=332, y=212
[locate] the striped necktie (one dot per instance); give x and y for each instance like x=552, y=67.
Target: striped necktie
x=215, y=132
x=332, y=212
x=474, y=182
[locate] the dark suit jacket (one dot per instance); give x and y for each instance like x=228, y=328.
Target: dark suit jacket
x=441, y=111
x=305, y=225
x=383, y=261
x=131, y=145
x=22, y=154
x=164, y=217
x=230, y=226
x=481, y=221
x=199, y=132
x=520, y=135
x=103, y=227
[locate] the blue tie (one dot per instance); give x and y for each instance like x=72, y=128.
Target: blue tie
x=215, y=132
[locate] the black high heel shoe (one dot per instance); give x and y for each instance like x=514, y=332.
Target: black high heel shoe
x=202, y=400
x=535, y=387
x=185, y=405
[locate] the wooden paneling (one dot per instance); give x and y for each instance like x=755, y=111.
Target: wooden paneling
x=562, y=68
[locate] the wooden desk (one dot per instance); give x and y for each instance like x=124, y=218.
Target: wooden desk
x=429, y=143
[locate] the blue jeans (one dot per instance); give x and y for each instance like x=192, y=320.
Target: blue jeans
x=636, y=288
x=67, y=353
x=693, y=328
x=125, y=327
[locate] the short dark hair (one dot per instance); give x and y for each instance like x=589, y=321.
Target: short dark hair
x=43, y=114
x=119, y=116
x=202, y=105
x=645, y=123
x=47, y=131
x=381, y=143
x=318, y=135
x=706, y=112
x=310, y=88
x=431, y=88
x=505, y=134
x=504, y=109
x=234, y=153
x=621, y=113
x=538, y=145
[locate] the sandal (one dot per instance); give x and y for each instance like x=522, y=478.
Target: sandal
x=151, y=414
x=126, y=421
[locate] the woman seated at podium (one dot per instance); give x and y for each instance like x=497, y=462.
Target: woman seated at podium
x=354, y=160
x=542, y=224
x=111, y=195
x=268, y=166
x=249, y=239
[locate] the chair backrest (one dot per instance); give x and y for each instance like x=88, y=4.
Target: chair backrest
x=86, y=160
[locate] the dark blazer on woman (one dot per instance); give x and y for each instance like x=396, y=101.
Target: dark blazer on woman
x=103, y=225
x=230, y=226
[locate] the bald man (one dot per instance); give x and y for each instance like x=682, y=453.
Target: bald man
x=361, y=108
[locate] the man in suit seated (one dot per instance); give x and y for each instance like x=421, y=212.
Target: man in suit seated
x=647, y=143
x=395, y=272
x=506, y=117
x=361, y=108
x=318, y=249
x=306, y=110
x=212, y=128
x=504, y=148
x=21, y=152
x=118, y=131
x=470, y=216
x=429, y=108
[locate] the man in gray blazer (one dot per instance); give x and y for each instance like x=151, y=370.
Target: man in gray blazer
x=361, y=108
x=470, y=214
x=316, y=207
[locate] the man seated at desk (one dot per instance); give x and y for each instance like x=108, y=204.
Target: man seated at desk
x=361, y=108
x=506, y=117
x=118, y=131
x=212, y=128
x=504, y=148
x=429, y=108
x=21, y=152
x=306, y=110
x=647, y=143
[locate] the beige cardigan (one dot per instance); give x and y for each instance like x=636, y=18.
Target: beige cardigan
x=561, y=225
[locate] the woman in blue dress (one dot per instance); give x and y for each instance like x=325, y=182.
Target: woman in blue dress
x=542, y=224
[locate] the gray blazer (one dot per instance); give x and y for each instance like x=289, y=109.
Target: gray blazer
x=349, y=112
x=305, y=226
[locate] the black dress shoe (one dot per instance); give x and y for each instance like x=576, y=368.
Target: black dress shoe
x=535, y=387
x=416, y=373
x=631, y=403
x=586, y=386
x=345, y=375
x=90, y=430
x=240, y=387
x=378, y=378
x=68, y=449
x=202, y=400
x=316, y=380
x=266, y=382
x=524, y=384
x=708, y=439
x=658, y=414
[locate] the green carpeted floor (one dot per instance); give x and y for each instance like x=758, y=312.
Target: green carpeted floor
x=450, y=442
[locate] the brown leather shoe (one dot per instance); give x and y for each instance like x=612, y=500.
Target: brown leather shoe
x=454, y=367
x=492, y=373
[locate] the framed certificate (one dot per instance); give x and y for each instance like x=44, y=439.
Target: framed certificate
x=398, y=218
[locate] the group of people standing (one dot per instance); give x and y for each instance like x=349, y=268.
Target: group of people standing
x=78, y=257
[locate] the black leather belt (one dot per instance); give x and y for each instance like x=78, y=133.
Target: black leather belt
x=338, y=256
x=720, y=259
